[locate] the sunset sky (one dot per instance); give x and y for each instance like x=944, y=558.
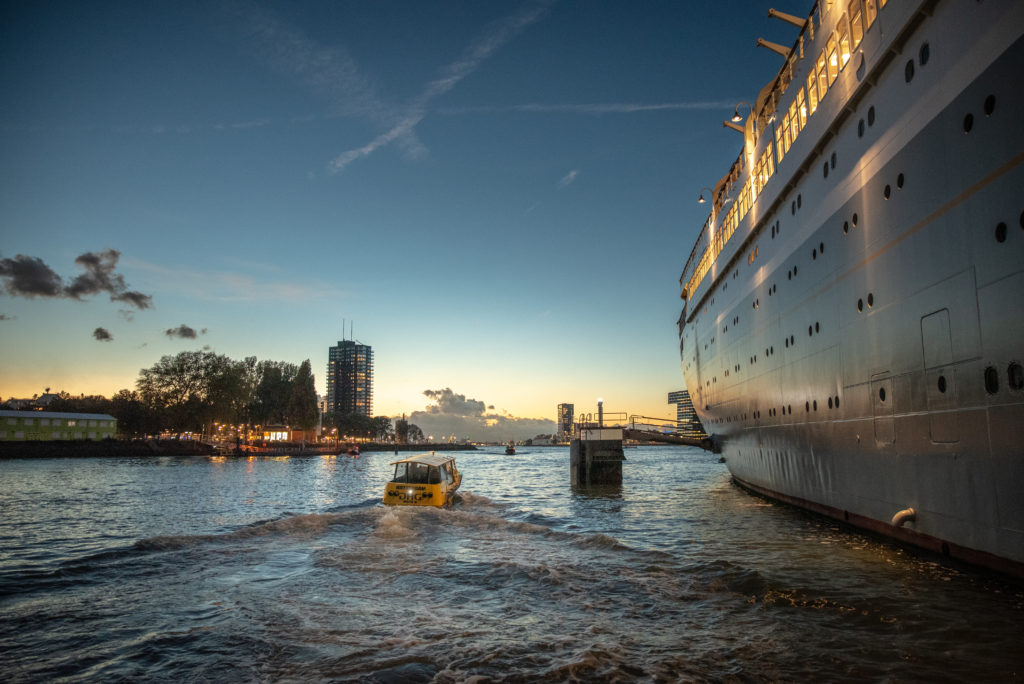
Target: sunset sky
x=500, y=195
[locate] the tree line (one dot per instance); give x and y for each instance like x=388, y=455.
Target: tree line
x=192, y=390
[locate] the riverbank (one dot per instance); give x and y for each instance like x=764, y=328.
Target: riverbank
x=188, y=447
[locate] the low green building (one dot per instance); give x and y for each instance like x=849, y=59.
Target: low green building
x=23, y=426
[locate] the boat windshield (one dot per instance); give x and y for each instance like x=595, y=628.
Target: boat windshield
x=416, y=473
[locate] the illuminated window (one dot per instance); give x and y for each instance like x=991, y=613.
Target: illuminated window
x=822, y=76
x=832, y=59
x=856, y=27
x=870, y=12
x=844, y=41
x=778, y=139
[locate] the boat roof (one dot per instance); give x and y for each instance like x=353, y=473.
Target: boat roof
x=430, y=459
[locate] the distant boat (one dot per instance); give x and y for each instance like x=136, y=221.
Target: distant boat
x=851, y=330
x=510, y=450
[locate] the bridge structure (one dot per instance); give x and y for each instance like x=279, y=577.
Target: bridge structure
x=640, y=428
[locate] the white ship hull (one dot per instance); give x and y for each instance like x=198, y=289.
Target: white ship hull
x=855, y=345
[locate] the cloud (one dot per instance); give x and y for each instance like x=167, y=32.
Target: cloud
x=454, y=414
x=102, y=334
x=568, y=178
x=183, y=331
x=593, y=108
x=5, y=317
x=26, y=276
x=490, y=40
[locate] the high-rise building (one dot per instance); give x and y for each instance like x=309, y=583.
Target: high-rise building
x=350, y=378
x=566, y=414
x=687, y=422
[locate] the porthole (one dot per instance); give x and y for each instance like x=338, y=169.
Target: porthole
x=899, y=181
x=832, y=160
x=881, y=394
x=771, y=350
x=814, y=404
x=1001, y=232
x=787, y=344
x=990, y=105
x=871, y=115
x=789, y=275
x=908, y=71
x=821, y=248
x=837, y=402
x=887, y=192
x=792, y=208
x=814, y=254
x=846, y=227
x=855, y=219
x=871, y=299
x=1015, y=375
x=860, y=305
x=794, y=271
x=792, y=339
x=991, y=380
x=860, y=128
x=810, y=330
x=824, y=170
x=924, y=53
x=830, y=402
x=790, y=409
x=807, y=407
x=968, y=123
x=799, y=201
x=942, y=384
x=817, y=328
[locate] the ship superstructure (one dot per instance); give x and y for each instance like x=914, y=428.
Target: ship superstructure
x=852, y=332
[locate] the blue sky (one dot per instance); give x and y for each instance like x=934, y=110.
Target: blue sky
x=500, y=195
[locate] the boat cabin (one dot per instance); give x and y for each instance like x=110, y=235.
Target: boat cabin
x=423, y=480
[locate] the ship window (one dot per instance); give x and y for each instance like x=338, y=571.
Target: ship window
x=908, y=71
x=870, y=12
x=924, y=53
x=825, y=170
x=991, y=380
x=860, y=128
x=844, y=41
x=812, y=92
x=871, y=299
x=871, y=115
x=1016, y=376
x=856, y=27
x=860, y=305
x=846, y=227
x=822, y=70
x=881, y=394
x=855, y=219
x=942, y=384
x=832, y=160
x=968, y=123
x=899, y=181
x=990, y=105
x=1001, y=232
x=830, y=402
x=832, y=58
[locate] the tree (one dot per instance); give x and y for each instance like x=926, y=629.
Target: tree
x=402, y=431
x=381, y=427
x=302, y=408
x=134, y=418
x=415, y=434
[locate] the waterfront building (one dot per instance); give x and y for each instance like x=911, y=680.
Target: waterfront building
x=566, y=415
x=22, y=426
x=350, y=378
x=687, y=422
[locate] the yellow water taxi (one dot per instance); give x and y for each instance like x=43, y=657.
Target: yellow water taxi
x=423, y=480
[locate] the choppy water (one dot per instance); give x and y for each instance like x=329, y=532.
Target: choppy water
x=182, y=569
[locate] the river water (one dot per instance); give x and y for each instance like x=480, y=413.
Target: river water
x=289, y=569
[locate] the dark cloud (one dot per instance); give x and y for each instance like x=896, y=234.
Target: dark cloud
x=99, y=277
x=102, y=334
x=183, y=331
x=26, y=276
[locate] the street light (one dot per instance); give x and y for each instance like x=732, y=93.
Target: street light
x=700, y=199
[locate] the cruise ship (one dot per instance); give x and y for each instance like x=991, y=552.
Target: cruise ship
x=852, y=326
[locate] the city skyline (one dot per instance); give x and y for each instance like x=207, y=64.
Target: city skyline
x=501, y=196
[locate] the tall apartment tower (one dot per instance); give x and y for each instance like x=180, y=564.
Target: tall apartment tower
x=350, y=378
x=566, y=414
x=687, y=422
